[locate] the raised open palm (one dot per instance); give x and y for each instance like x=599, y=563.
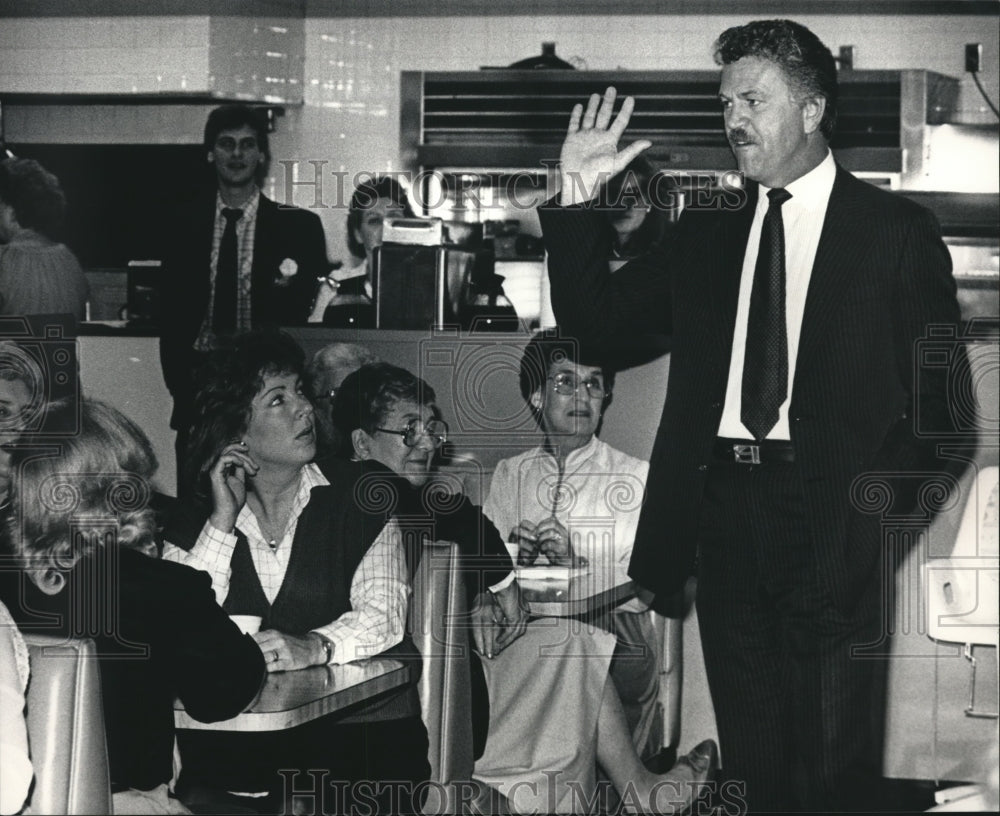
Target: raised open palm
x=590, y=155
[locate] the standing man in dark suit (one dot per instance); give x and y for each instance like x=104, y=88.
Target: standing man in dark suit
x=795, y=311
x=235, y=260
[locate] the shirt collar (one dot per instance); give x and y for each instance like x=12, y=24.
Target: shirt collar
x=579, y=455
x=310, y=476
x=811, y=191
x=249, y=206
x=27, y=236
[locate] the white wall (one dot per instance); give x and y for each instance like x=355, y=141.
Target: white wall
x=350, y=118
x=351, y=115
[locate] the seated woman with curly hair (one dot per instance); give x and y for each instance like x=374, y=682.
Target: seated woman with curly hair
x=285, y=542
x=38, y=275
x=82, y=534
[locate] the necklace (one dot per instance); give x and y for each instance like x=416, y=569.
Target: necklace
x=266, y=530
x=272, y=541
x=267, y=534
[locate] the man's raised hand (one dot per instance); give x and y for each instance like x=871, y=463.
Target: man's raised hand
x=590, y=154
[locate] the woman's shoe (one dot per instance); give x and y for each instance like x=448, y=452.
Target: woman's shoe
x=687, y=781
x=702, y=760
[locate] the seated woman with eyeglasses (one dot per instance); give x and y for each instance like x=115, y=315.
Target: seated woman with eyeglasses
x=285, y=542
x=548, y=684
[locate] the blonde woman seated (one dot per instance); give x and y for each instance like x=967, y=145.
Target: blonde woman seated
x=81, y=534
x=553, y=714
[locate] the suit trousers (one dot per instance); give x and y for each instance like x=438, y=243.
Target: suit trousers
x=796, y=707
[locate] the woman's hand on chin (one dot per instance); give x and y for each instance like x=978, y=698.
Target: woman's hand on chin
x=229, y=490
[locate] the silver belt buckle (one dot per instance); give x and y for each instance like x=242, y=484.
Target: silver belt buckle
x=747, y=454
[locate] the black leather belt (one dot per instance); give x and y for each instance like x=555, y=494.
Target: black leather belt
x=748, y=452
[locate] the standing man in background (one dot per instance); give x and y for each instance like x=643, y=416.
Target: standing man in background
x=795, y=322
x=235, y=260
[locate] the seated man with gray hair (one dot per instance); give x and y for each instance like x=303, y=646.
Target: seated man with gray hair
x=326, y=371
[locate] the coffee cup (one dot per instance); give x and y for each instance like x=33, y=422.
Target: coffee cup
x=249, y=624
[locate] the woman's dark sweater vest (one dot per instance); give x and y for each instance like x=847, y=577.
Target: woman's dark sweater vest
x=327, y=548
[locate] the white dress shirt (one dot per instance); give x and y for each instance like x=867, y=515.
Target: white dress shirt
x=379, y=591
x=802, y=215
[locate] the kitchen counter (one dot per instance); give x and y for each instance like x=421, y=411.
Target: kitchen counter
x=116, y=328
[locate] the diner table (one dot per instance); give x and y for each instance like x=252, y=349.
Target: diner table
x=570, y=592
x=291, y=698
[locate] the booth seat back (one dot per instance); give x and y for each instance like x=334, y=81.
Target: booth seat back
x=436, y=624
x=65, y=718
x=670, y=664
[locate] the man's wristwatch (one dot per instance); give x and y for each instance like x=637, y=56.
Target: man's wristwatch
x=327, y=650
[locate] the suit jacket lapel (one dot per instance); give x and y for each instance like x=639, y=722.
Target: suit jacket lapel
x=263, y=228
x=260, y=272
x=205, y=235
x=843, y=244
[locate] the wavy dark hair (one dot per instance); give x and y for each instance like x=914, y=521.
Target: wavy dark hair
x=76, y=492
x=806, y=61
x=233, y=117
x=549, y=347
x=35, y=195
x=226, y=384
x=367, y=395
x=366, y=196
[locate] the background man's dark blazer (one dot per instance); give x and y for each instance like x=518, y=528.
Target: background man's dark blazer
x=881, y=277
x=281, y=232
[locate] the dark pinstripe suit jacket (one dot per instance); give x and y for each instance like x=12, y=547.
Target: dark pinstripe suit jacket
x=881, y=277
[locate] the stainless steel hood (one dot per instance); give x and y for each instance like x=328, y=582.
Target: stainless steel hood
x=515, y=120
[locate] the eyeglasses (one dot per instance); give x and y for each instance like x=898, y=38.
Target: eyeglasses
x=568, y=384
x=415, y=430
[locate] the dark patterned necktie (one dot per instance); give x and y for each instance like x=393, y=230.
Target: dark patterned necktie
x=765, y=362
x=226, y=276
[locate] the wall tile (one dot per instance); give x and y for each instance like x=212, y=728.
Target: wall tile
x=350, y=66
x=335, y=69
